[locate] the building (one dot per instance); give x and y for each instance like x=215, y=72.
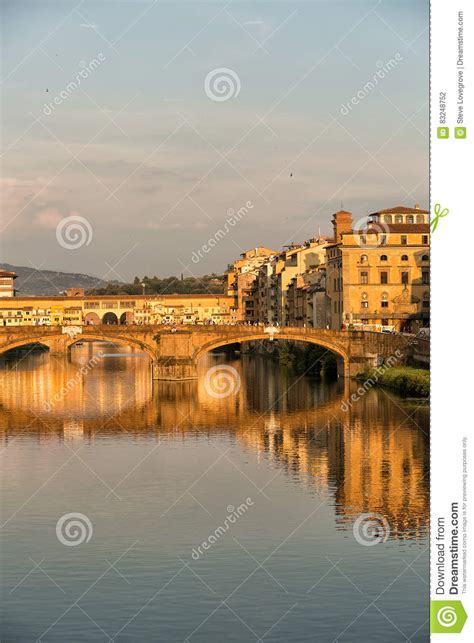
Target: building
x=7, y=288
x=306, y=300
x=306, y=258
x=318, y=303
x=241, y=281
x=379, y=276
x=11, y=316
x=118, y=309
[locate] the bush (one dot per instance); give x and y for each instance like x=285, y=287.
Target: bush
x=414, y=382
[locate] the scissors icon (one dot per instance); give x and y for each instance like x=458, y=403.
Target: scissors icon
x=439, y=214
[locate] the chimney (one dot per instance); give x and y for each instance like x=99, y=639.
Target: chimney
x=342, y=222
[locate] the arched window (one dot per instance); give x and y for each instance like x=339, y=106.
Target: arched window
x=410, y=218
x=364, y=258
x=425, y=258
x=399, y=218
x=388, y=218
x=420, y=218
x=404, y=257
x=364, y=295
x=383, y=258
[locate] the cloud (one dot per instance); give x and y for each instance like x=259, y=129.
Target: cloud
x=47, y=218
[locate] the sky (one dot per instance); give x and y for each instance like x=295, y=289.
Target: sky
x=133, y=132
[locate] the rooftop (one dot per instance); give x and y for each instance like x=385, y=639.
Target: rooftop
x=401, y=209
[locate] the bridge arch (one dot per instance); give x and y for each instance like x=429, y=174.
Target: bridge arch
x=92, y=319
x=23, y=344
x=110, y=319
x=59, y=343
x=286, y=336
x=142, y=347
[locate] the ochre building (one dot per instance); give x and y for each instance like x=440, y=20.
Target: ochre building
x=379, y=276
x=117, y=309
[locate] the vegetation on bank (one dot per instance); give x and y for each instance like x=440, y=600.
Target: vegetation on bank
x=410, y=381
x=207, y=284
x=306, y=358
x=318, y=361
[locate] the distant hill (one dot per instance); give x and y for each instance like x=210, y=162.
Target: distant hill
x=49, y=282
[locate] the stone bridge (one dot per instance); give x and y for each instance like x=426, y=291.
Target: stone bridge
x=174, y=351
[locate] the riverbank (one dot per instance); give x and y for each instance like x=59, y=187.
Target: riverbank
x=302, y=359
x=407, y=380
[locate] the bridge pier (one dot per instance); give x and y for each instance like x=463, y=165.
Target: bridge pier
x=57, y=345
x=174, y=369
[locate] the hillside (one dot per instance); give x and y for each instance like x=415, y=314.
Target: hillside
x=49, y=282
x=52, y=282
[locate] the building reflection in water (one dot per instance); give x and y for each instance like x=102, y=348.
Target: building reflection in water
x=373, y=458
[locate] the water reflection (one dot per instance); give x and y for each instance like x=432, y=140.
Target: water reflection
x=372, y=458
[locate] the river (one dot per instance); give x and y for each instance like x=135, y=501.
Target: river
x=251, y=504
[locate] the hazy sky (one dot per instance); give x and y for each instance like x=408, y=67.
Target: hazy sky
x=138, y=147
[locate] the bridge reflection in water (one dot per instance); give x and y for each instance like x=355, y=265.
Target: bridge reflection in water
x=370, y=458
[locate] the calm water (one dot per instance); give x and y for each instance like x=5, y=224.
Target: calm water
x=207, y=517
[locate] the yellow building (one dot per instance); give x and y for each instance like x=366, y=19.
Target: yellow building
x=10, y=315
x=118, y=309
x=379, y=276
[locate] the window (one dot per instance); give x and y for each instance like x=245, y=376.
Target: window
x=384, y=302
x=364, y=295
x=363, y=258
x=425, y=277
x=426, y=300
x=364, y=277
x=410, y=218
x=399, y=218
x=404, y=278
x=403, y=239
x=388, y=218
x=424, y=239
x=383, y=258
x=404, y=257
x=420, y=218
x=425, y=258
x=364, y=304
x=384, y=277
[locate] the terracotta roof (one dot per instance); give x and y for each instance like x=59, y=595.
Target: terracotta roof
x=401, y=209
